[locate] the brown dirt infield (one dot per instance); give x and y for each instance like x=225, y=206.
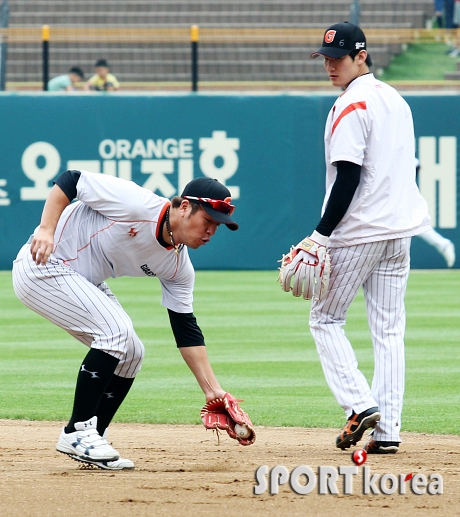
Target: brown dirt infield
x=182, y=471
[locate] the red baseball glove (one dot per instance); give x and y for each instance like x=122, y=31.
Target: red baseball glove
x=223, y=414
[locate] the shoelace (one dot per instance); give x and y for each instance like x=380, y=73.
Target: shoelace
x=351, y=424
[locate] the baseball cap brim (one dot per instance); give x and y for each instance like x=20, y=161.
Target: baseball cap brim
x=210, y=188
x=333, y=52
x=220, y=217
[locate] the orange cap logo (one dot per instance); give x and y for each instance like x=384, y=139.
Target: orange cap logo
x=329, y=36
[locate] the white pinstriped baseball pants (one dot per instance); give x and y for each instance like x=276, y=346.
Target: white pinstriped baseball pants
x=91, y=314
x=382, y=268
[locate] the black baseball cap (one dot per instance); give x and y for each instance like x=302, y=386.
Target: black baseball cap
x=203, y=189
x=341, y=39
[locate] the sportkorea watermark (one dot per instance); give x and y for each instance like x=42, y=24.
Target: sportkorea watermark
x=329, y=480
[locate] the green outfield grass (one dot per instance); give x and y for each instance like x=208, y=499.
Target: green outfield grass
x=421, y=62
x=260, y=347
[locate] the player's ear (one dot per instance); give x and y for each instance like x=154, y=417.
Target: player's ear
x=184, y=205
x=361, y=57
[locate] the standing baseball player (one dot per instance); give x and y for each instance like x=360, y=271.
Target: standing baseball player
x=371, y=210
x=117, y=228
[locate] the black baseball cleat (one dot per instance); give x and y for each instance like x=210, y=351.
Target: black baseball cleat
x=376, y=447
x=355, y=427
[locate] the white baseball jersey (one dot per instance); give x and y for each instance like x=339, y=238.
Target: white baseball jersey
x=371, y=125
x=112, y=231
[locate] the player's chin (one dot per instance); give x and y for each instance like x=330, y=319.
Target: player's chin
x=334, y=80
x=197, y=244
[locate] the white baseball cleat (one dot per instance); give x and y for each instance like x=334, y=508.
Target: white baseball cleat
x=449, y=254
x=120, y=464
x=86, y=443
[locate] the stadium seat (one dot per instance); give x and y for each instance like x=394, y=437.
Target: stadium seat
x=170, y=61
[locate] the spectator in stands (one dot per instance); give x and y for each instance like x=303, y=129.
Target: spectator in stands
x=438, y=12
x=66, y=82
x=444, y=12
x=455, y=52
x=457, y=14
x=102, y=80
x=445, y=18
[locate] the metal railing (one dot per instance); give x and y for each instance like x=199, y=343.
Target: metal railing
x=211, y=35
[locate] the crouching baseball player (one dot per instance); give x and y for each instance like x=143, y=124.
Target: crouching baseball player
x=117, y=228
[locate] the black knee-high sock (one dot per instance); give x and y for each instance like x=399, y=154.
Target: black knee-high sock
x=113, y=396
x=95, y=374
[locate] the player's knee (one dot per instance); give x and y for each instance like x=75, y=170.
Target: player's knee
x=121, y=342
x=139, y=352
x=131, y=362
x=134, y=350
x=124, y=335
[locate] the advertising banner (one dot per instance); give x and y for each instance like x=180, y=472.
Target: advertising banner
x=267, y=149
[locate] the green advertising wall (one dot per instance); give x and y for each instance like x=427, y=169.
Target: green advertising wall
x=268, y=150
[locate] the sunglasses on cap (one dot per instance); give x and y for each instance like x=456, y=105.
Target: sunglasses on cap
x=222, y=206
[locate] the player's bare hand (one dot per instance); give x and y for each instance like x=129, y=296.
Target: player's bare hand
x=42, y=246
x=218, y=393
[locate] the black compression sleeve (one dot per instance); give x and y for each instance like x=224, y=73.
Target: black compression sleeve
x=67, y=181
x=342, y=193
x=185, y=329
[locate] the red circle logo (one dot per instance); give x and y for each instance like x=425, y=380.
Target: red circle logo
x=359, y=457
x=329, y=36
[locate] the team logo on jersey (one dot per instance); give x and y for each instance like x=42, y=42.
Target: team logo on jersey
x=132, y=232
x=329, y=36
x=147, y=270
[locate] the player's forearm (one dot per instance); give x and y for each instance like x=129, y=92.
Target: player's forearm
x=196, y=358
x=43, y=242
x=54, y=206
x=343, y=190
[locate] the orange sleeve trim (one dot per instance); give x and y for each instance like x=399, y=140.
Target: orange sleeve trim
x=352, y=107
x=157, y=233
x=160, y=217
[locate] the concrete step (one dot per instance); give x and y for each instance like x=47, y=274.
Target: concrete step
x=175, y=51
x=452, y=76
x=302, y=18
x=175, y=64
x=215, y=4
